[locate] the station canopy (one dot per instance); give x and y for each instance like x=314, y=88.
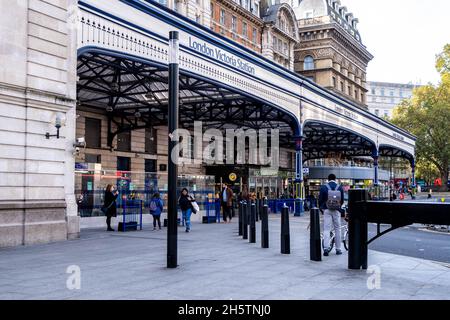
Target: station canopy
x=136, y=93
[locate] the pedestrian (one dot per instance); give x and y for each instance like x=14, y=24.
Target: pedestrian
x=185, y=202
x=226, y=201
x=430, y=193
x=331, y=199
x=109, y=205
x=156, y=208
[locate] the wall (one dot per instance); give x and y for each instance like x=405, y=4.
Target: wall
x=37, y=79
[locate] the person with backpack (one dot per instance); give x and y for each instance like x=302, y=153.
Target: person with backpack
x=331, y=199
x=156, y=208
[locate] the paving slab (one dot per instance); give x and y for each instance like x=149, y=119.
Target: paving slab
x=214, y=263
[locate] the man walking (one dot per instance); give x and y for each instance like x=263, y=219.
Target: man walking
x=226, y=201
x=331, y=199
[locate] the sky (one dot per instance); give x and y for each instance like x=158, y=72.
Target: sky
x=404, y=36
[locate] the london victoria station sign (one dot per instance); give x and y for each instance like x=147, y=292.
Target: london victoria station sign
x=221, y=56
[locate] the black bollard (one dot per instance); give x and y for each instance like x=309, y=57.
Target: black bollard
x=257, y=210
x=265, y=227
x=253, y=223
x=357, y=230
x=261, y=208
x=241, y=227
x=245, y=220
x=315, y=250
x=285, y=237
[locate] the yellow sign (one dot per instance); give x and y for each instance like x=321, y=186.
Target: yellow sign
x=232, y=177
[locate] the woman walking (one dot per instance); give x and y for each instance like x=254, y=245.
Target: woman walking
x=156, y=207
x=185, y=202
x=109, y=205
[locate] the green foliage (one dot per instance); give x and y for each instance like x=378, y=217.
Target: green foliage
x=427, y=115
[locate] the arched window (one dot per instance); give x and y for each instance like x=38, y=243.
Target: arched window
x=309, y=63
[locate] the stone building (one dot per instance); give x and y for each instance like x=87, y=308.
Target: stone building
x=37, y=86
x=280, y=33
x=331, y=51
x=383, y=97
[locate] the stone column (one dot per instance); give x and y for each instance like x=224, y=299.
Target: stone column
x=38, y=80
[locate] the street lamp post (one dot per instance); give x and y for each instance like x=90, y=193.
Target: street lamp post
x=172, y=210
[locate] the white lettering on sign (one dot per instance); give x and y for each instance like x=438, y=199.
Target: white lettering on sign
x=221, y=56
x=346, y=112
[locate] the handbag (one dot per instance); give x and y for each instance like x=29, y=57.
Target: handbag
x=195, y=207
x=105, y=209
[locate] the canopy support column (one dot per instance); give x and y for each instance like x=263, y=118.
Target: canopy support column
x=375, y=156
x=299, y=176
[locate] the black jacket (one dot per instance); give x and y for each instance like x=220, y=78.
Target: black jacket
x=111, y=198
x=185, y=202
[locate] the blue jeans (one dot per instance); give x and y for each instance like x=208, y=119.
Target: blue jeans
x=187, y=218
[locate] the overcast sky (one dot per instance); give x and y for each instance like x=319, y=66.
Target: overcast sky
x=404, y=36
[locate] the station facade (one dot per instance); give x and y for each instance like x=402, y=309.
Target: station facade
x=98, y=70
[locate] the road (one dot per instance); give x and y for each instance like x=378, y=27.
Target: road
x=413, y=242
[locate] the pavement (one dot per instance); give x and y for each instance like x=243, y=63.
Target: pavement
x=214, y=263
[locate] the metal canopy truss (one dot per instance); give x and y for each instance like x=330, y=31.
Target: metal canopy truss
x=389, y=151
x=323, y=141
x=137, y=94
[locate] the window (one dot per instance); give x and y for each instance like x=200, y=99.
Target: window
x=356, y=94
x=123, y=164
x=92, y=158
x=233, y=23
x=92, y=132
x=222, y=16
x=308, y=63
x=150, y=141
x=386, y=113
x=197, y=18
x=401, y=93
x=349, y=90
x=373, y=91
x=150, y=165
x=334, y=82
x=244, y=29
x=362, y=97
x=392, y=93
x=212, y=11
x=256, y=10
x=254, y=35
x=124, y=141
x=382, y=92
x=285, y=48
x=342, y=86
x=275, y=42
x=377, y=112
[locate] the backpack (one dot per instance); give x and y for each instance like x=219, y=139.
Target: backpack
x=153, y=205
x=334, y=198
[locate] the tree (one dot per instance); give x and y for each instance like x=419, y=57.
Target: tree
x=427, y=115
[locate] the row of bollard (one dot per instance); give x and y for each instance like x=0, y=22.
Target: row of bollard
x=251, y=212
